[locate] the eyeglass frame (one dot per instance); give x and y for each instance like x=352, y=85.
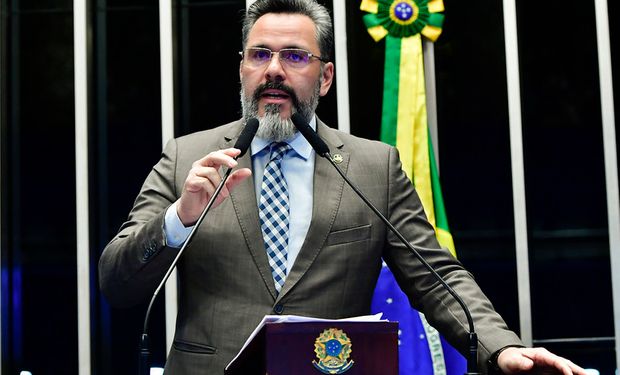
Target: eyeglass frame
x=310, y=56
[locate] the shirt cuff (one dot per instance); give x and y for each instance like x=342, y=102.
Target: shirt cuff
x=176, y=233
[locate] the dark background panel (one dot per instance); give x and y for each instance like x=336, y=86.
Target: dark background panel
x=27, y=6
x=366, y=59
x=474, y=147
x=5, y=316
x=564, y=171
x=208, y=41
x=327, y=110
x=125, y=144
x=614, y=35
x=132, y=107
x=40, y=208
x=127, y=4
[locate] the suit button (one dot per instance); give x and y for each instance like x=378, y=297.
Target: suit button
x=278, y=309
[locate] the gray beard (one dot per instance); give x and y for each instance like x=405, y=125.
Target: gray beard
x=272, y=127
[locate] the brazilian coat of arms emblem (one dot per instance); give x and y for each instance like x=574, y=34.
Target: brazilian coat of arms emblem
x=332, y=349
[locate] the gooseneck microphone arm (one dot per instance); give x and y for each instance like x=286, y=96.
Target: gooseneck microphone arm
x=243, y=143
x=322, y=150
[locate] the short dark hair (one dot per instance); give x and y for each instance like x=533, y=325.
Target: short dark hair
x=315, y=11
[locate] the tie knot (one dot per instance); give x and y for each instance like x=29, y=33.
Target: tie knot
x=278, y=150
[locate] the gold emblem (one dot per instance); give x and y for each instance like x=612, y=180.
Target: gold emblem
x=337, y=158
x=332, y=349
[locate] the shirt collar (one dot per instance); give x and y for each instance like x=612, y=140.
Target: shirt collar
x=297, y=143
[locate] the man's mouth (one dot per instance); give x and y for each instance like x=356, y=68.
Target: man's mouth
x=274, y=94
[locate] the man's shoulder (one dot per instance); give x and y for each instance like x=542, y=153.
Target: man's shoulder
x=351, y=142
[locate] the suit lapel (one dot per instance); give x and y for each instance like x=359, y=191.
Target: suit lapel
x=328, y=185
x=243, y=198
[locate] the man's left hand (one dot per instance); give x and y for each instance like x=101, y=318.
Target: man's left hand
x=535, y=361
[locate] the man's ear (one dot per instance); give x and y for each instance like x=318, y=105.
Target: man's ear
x=327, y=78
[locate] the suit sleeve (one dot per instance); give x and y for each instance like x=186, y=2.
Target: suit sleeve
x=425, y=293
x=134, y=262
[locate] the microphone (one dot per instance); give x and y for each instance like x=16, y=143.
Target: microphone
x=246, y=136
x=243, y=143
x=321, y=148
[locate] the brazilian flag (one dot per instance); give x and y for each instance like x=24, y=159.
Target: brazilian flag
x=402, y=23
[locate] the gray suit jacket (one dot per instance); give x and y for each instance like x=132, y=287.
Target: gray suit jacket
x=226, y=285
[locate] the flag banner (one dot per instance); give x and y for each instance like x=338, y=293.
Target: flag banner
x=402, y=23
x=421, y=350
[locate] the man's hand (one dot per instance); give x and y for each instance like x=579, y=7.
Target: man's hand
x=202, y=181
x=535, y=361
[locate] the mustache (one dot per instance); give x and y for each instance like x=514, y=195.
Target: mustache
x=275, y=86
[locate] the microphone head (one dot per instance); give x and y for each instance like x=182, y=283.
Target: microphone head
x=319, y=146
x=246, y=136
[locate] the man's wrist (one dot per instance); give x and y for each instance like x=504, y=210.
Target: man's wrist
x=492, y=363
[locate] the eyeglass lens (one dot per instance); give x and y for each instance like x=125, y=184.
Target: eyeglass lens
x=290, y=56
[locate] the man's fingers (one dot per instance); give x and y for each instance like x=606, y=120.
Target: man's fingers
x=237, y=176
x=202, y=179
x=513, y=361
x=517, y=360
x=208, y=179
x=543, y=357
x=233, y=180
x=577, y=370
x=219, y=158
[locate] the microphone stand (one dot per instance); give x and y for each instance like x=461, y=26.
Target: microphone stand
x=321, y=148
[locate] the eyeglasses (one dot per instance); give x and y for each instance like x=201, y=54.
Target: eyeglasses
x=293, y=57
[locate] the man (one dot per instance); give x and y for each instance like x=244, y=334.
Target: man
x=322, y=255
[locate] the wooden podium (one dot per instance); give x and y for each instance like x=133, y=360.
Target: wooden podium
x=289, y=348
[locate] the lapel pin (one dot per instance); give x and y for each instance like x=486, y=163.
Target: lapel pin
x=337, y=158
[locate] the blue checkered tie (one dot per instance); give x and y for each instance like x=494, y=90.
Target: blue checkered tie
x=274, y=212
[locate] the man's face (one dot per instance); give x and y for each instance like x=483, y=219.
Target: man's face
x=284, y=84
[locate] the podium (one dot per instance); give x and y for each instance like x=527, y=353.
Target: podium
x=312, y=348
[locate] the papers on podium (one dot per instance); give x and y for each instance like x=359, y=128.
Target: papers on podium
x=301, y=319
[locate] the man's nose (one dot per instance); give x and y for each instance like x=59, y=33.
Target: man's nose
x=274, y=71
